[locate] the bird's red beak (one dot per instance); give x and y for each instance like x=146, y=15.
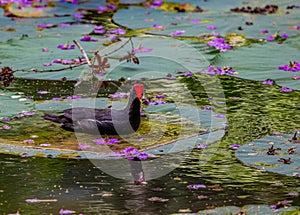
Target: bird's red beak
x=139, y=89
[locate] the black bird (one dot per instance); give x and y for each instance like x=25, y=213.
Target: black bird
x=104, y=121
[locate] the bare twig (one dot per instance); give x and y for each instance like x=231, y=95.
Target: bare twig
x=119, y=47
x=48, y=70
x=83, y=52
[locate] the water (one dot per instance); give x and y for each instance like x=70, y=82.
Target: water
x=253, y=111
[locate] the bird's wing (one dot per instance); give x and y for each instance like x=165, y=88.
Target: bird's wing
x=80, y=113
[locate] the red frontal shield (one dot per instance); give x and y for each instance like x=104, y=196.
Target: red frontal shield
x=139, y=89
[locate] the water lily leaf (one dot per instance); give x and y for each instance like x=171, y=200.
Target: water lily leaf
x=222, y=210
x=258, y=154
x=253, y=63
x=167, y=57
x=13, y=103
x=27, y=54
x=264, y=209
x=249, y=210
x=195, y=24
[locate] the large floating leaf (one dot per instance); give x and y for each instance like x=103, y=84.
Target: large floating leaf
x=13, y=103
x=260, y=61
x=249, y=210
x=27, y=54
x=167, y=57
x=221, y=16
x=255, y=154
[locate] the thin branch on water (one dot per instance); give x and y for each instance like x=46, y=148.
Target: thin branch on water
x=83, y=52
x=48, y=70
x=119, y=47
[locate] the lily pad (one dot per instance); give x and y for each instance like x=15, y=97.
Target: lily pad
x=166, y=57
x=253, y=63
x=249, y=210
x=13, y=103
x=194, y=24
x=27, y=54
x=258, y=154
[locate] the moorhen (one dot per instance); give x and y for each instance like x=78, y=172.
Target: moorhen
x=104, y=121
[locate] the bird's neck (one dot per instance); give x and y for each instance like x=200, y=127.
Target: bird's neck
x=135, y=114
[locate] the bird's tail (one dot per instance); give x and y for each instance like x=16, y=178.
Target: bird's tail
x=53, y=118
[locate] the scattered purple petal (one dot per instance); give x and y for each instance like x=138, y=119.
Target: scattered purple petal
x=6, y=119
x=234, y=146
x=106, y=141
x=142, y=49
x=62, y=211
x=270, y=38
x=42, y=92
x=188, y=74
x=292, y=67
x=265, y=31
x=64, y=25
x=83, y=146
x=57, y=99
x=78, y=15
x=117, y=31
x=118, y=95
x=6, y=127
x=43, y=25
x=276, y=132
x=296, y=77
x=158, y=27
x=160, y=96
x=47, y=64
x=57, y=61
x=177, y=33
x=286, y=90
x=88, y=38
x=207, y=107
x=66, y=46
x=196, y=21
x=219, y=115
x=100, y=31
x=29, y=113
x=220, y=44
x=201, y=146
x=31, y=200
x=28, y=141
x=157, y=3
x=45, y=50
x=156, y=102
x=196, y=186
x=211, y=27
x=45, y=144
x=284, y=36
x=143, y=156
x=74, y=97
x=268, y=82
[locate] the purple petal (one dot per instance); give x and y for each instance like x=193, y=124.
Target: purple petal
x=62, y=211
x=42, y=92
x=177, y=33
x=28, y=141
x=286, y=90
x=211, y=27
x=234, y=146
x=47, y=64
x=196, y=186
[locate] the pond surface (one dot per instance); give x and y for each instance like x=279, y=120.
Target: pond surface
x=209, y=175
x=78, y=185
